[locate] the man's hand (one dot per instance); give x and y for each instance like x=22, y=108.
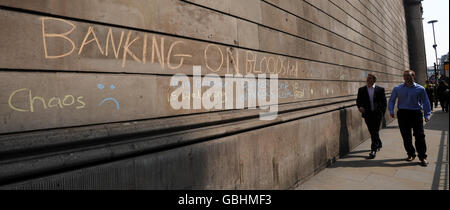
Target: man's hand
x=361, y=110
x=427, y=119
x=393, y=115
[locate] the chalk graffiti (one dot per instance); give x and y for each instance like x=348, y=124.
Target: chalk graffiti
x=16, y=100
x=215, y=58
x=112, y=87
x=298, y=92
x=158, y=51
x=215, y=89
x=66, y=101
x=284, y=91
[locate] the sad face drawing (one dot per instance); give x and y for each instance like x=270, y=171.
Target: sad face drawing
x=112, y=99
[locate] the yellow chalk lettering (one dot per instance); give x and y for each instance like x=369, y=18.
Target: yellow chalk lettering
x=90, y=31
x=176, y=55
x=261, y=65
x=127, y=51
x=159, y=53
x=233, y=60
x=268, y=65
x=250, y=64
x=11, y=97
x=64, y=102
x=33, y=99
x=206, y=57
x=68, y=100
x=63, y=35
x=110, y=37
x=290, y=68
x=81, y=102
x=295, y=70
x=282, y=69
x=58, y=102
x=144, y=50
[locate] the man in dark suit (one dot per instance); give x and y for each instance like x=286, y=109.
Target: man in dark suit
x=371, y=102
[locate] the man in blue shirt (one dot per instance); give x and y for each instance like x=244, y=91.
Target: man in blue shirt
x=412, y=98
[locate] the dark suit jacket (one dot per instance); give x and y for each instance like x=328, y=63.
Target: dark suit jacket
x=379, y=100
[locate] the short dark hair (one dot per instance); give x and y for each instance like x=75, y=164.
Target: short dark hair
x=412, y=73
x=373, y=76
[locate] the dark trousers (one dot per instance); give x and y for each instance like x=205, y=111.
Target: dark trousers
x=412, y=119
x=436, y=100
x=431, y=99
x=373, y=122
x=444, y=104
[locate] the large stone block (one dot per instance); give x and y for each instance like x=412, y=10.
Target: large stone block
x=274, y=157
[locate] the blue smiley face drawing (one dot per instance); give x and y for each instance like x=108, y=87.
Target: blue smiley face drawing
x=112, y=87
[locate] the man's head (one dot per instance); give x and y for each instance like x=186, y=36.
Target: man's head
x=409, y=76
x=371, y=79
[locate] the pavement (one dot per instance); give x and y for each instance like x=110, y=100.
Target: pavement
x=389, y=170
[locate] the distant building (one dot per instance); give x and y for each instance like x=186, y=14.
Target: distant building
x=443, y=59
x=440, y=70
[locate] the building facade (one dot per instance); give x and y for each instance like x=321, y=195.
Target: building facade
x=87, y=94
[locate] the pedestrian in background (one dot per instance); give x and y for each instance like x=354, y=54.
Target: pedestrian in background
x=443, y=92
x=412, y=98
x=430, y=92
x=435, y=93
x=371, y=102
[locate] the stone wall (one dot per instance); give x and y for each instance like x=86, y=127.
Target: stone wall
x=85, y=89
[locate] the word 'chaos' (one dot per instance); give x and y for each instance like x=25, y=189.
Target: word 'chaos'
x=24, y=100
x=31, y=101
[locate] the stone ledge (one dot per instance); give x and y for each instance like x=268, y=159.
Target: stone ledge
x=41, y=152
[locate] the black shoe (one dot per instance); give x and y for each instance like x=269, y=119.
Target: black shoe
x=410, y=158
x=379, y=148
x=423, y=162
x=372, y=155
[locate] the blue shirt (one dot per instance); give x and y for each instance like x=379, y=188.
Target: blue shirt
x=411, y=98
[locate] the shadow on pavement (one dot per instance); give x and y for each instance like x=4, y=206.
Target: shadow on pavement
x=439, y=122
x=371, y=163
x=392, y=127
x=356, y=152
